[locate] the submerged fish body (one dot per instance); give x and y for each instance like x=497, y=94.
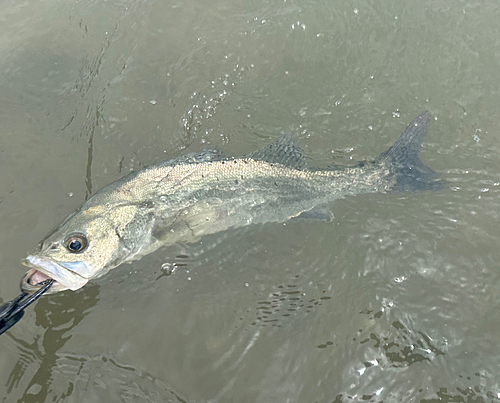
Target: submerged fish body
x=198, y=194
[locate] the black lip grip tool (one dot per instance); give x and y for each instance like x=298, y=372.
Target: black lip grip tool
x=12, y=311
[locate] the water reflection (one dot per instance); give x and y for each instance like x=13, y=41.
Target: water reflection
x=33, y=374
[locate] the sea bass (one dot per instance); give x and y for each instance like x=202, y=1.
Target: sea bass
x=197, y=194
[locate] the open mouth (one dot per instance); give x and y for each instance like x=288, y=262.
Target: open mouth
x=42, y=269
x=35, y=277
x=34, y=280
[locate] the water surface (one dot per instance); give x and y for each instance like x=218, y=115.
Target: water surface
x=395, y=300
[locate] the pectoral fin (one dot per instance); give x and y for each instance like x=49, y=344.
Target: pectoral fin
x=322, y=213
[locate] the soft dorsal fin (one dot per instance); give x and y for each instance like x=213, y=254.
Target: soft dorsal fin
x=283, y=151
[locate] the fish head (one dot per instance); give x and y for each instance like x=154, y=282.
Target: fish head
x=88, y=244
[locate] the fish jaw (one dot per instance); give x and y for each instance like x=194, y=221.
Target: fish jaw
x=42, y=269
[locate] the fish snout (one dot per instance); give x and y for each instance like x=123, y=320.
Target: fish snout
x=34, y=279
x=42, y=268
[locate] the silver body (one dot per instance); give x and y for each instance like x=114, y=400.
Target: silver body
x=184, y=199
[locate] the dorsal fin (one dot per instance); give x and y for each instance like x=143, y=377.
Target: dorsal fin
x=283, y=151
x=197, y=157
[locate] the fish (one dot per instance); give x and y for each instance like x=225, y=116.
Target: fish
x=196, y=194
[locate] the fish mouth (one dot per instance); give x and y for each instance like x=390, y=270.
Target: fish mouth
x=42, y=269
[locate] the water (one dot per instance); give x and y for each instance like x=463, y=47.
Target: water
x=395, y=300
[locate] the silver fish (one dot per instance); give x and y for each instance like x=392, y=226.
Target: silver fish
x=183, y=199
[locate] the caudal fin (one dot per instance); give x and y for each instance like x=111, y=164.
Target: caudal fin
x=402, y=158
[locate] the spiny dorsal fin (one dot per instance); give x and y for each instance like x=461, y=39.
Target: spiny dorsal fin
x=282, y=151
x=197, y=157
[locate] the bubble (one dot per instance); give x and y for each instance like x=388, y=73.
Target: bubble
x=168, y=268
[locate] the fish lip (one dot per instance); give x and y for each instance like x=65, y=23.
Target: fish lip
x=29, y=288
x=65, y=279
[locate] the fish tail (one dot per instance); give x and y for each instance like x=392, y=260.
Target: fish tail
x=402, y=158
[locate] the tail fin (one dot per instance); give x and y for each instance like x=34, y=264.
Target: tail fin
x=411, y=173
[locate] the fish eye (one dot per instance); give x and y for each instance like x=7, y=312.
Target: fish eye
x=76, y=242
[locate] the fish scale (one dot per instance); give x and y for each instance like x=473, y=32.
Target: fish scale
x=205, y=193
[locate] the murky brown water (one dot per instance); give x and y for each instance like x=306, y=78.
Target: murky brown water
x=396, y=300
